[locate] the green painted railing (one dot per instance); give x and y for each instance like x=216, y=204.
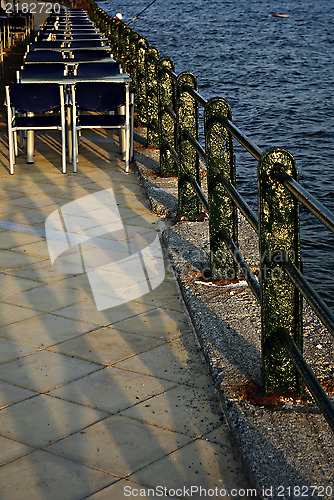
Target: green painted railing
x=167, y=105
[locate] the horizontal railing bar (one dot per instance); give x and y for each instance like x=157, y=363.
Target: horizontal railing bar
x=152, y=57
x=203, y=199
x=239, y=201
x=240, y=261
x=237, y=256
x=252, y=148
x=170, y=73
x=195, y=143
x=319, y=307
x=173, y=153
x=155, y=124
x=307, y=199
x=195, y=94
x=324, y=403
x=171, y=113
x=152, y=92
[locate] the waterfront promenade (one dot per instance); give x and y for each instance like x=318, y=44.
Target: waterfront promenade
x=95, y=404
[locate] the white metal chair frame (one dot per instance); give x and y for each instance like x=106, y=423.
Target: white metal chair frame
x=13, y=128
x=126, y=130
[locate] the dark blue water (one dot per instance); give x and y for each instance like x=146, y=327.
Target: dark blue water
x=278, y=76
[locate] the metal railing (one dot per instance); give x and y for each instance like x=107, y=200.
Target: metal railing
x=168, y=105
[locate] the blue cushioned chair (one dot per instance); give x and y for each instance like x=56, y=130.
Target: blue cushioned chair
x=33, y=100
x=96, y=69
x=44, y=56
x=45, y=44
x=41, y=70
x=77, y=36
x=102, y=98
x=91, y=55
x=85, y=43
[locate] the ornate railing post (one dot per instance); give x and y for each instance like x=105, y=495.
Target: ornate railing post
x=110, y=34
x=187, y=123
x=124, y=44
x=152, y=59
x=167, y=127
x=131, y=62
x=223, y=216
x=116, y=39
x=279, y=240
x=140, y=61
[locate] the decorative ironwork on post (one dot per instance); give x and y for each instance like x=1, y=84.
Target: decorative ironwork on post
x=187, y=125
x=124, y=47
x=152, y=109
x=223, y=214
x=279, y=240
x=167, y=126
x=141, y=99
x=116, y=39
x=112, y=34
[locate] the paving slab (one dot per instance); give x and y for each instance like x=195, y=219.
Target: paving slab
x=188, y=410
x=106, y=403
x=11, y=450
x=108, y=346
x=113, y=389
x=183, y=466
x=44, y=370
x=44, y=330
x=10, y=394
x=41, y=420
x=10, y=350
x=119, y=445
x=127, y=489
x=40, y=475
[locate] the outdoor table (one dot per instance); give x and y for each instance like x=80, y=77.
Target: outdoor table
x=78, y=38
x=72, y=79
x=71, y=49
x=68, y=81
x=73, y=62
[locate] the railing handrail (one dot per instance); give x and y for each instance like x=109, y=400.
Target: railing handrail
x=277, y=172
x=312, y=383
x=307, y=199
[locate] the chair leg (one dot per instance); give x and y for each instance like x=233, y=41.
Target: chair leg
x=11, y=152
x=63, y=129
x=10, y=133
x=16, y=151
x=63, y=149
x=69, y=134
x=127, y=149
x=30, y=146
x=123, y=143
x=122, y=136
x=21, y=137
x=75, y=149
x=132, y=123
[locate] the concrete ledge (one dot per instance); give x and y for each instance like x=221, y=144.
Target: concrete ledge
x=288, y=449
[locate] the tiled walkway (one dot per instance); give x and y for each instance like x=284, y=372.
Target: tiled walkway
x=95, y=403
